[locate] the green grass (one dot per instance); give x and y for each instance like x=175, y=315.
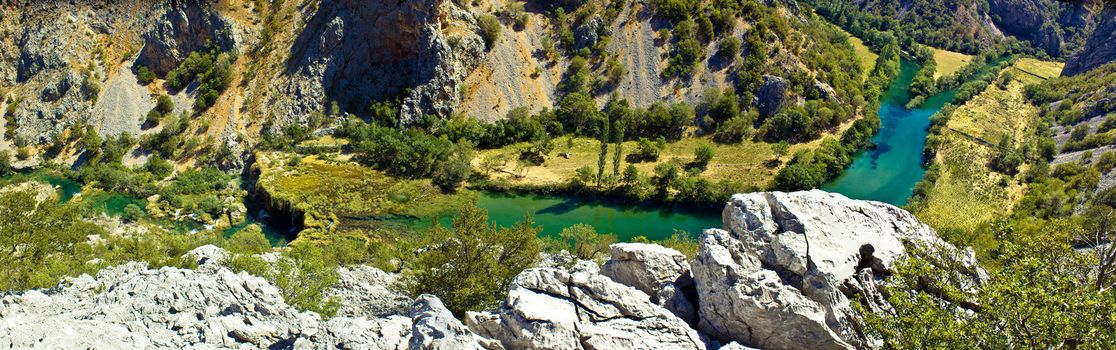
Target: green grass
x=865, y=55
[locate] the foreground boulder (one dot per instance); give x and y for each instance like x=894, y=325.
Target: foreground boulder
x=663, y=273
x=781, y=274
x=551, y=308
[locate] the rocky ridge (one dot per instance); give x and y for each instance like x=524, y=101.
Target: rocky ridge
x=779, y=275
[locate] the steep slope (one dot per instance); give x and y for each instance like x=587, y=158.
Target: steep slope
x=1056, y=28
x=1099, y=49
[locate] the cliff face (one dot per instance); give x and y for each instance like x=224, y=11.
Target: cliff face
x=1055, y=27
x=780, y=275
x=1099, y=49
x=354, y=52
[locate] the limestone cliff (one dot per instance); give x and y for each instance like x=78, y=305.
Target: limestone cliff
x=1099, y=49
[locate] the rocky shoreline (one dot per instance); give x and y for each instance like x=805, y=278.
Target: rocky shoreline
x=781, y=274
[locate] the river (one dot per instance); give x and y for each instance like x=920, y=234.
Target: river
x=889, y=171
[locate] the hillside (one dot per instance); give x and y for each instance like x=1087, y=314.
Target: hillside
x=1055, y=28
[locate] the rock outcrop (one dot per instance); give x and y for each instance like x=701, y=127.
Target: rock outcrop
x=1044, y=24
x=1099, y=49
x=184, y=28
x=352, y=52
x=772, y=96
x=781, y=274
x=550, y=308
x=130, y=306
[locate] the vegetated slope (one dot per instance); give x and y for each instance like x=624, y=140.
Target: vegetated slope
x=1053, y=27
x=971, y=180
x=528, y=64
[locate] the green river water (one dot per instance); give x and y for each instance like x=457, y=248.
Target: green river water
x=889, y=171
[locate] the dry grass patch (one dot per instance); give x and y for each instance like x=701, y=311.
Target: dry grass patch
x=968, y=194
x=746, y=163
x=949, y=62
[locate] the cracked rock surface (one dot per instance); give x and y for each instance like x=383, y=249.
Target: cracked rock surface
x=551, y=308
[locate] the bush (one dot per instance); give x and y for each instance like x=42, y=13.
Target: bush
x=145, y=75
x=584, y=241
x=132, y=213
x=152, y=118
x=729, y=48
x=164, y=104
x=647, y=150
x=490, y=29
x=249, y=240
x=471, y=266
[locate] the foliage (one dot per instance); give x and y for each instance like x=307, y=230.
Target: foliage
x=490, y=29
x=472, y=265
x=584, y=241
x=145, y=75
x=211, y=69
x=702, y=155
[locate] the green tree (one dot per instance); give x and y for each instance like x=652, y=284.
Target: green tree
x=702, y=155
x=145, y=75
x=249, y=240
x=603, y=158
x=472, y=265
x=164, y=104
x=780, y=149
x=40, y=241
x=586, y=243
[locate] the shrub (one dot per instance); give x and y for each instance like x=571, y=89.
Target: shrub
x=145, y=75
x=153, y=117
x=729, y=47
x=490, y=29
x=164, y=104
x=585, y=242
x=702, y=155
x=647, y=150
x=471, y=266
x=132, y=213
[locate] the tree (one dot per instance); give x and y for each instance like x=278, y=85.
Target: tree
x=145, y=75
x=780, y=149
x=586, y=243
x=729, y=48
x=132, y=213
x=5, y=163
x=249, y=240
x=702, y=155
x=39, y=240
x=603, y=158
x=471, y=266
x=456, y=169
x=152, y=118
